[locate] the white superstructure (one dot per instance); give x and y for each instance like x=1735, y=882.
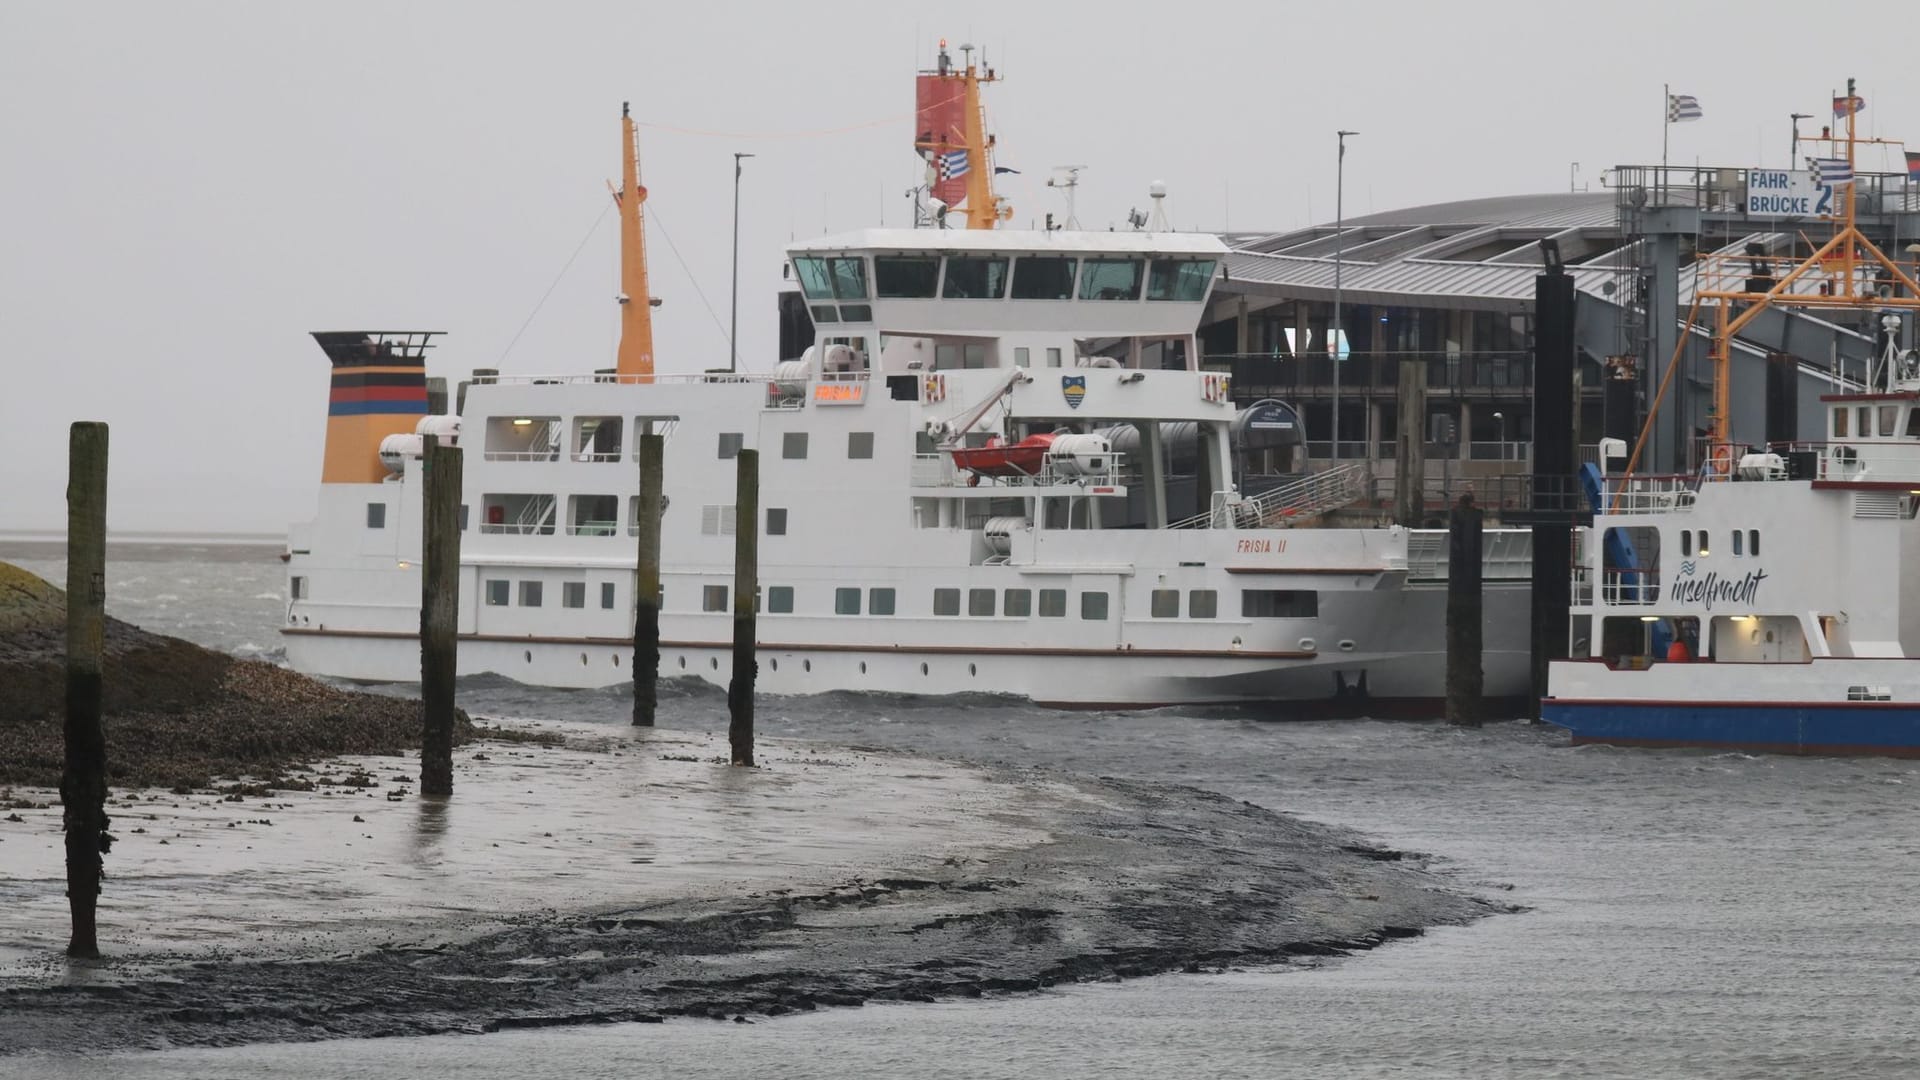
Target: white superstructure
x=1129, y=565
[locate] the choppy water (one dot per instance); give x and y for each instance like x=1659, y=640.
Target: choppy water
x=1693, y=914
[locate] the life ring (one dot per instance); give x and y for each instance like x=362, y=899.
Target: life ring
x=1722, y=459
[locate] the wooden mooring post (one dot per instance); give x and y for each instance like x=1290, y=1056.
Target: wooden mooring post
x=83, y=783
x=439, y=613
x=1465, y=679
x=646, y=582
x=746, y=583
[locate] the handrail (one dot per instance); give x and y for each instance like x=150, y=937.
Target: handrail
x=1305, y=497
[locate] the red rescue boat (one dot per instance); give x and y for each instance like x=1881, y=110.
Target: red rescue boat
x=1001, y=458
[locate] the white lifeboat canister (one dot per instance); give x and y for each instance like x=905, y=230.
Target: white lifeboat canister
x=447, y=427
x=396, y=450
x=1080, y=455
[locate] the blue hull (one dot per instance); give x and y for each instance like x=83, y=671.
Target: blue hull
x=1866, y=727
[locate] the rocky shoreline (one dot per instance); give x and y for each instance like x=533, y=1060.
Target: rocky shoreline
x=177, y=714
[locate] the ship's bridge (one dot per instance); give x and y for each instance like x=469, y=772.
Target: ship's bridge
x=932, y=300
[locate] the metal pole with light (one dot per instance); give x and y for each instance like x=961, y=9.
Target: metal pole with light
x=1501, y=420
x=733, y=328
x=1337, y=338
x=1793, y=155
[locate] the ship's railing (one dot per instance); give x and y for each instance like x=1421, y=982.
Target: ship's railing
x=1860, y=461
x=1664, y=494
x=1292, y=502
x=1505, y=555
x=593, y=528
x=635, y=380
x=938, y=470
x=1626, y=588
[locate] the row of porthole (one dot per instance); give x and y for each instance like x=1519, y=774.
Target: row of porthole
x=773, y=664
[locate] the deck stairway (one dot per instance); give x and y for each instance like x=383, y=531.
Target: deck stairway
x=1290, y=504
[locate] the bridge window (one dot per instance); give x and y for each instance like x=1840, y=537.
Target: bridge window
x=1110, y=279
x=1183, y=280
x=1043, y=277
x=1279, y=604
x=815, y=281
x=849, y=278
x=1203, y=604
x=975, y=278
x=879, y=601
x=905, y=277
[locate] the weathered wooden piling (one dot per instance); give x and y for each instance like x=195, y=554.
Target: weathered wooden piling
x=1410, y=452
x=1465, y=679
x=646, y=598
x=83, y=784
x=439, y=613
x=746, y=584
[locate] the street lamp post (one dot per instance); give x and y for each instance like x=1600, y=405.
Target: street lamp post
x=733, y=328
x=1337, y=338
x=1501, y=420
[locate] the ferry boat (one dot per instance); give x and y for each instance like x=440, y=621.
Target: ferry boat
x=1763, y=603
x=999, y=468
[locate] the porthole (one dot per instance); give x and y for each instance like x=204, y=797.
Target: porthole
x=616, y=659
x=863, y=667
x=1307, y=644
x=972, y=670
x=773, y=664
x=713, y=662
x=529, y=656
x=1346, y=644
x=683, y=663
x=806, y=665
x=923, y=669
x=583, y=659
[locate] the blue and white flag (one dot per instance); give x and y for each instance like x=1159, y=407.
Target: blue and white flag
x=1833, y=171
x=953, y=165
x=1682, y=107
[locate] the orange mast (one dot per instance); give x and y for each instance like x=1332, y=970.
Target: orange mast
x=984, y=208
x=635, y=359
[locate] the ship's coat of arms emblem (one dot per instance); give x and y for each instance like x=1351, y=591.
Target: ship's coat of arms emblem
x=1073, y=388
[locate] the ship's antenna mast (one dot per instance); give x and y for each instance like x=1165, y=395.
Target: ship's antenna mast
x=947, y=148
x=1070, y=184
x=635, y=358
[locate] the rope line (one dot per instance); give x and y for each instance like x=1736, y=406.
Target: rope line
x=691, y=280
x=591, y=229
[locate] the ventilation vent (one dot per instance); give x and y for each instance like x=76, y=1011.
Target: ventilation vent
x=717, y=520
x=1876, y=504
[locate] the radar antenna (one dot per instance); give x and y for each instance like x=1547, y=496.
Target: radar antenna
x=1069, y=183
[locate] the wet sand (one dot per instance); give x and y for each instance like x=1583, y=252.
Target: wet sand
x=633, y=875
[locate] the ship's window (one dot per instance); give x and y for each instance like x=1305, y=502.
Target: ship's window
x=633, y=512
x=530, y=515
x=573, y=594
x=497, y=592
x=856, y=313
x=980, y=601
x=1203, y=604
x=849, y=277
x=1889, y=420
x=1179, y=279
x=1022, y=356
x=1053, y=603
x=606, y=595
x=1093, y=606
x=814, y=279
x=1166, y=603
x=1737, y=545
x=825, y=313
x=946, y=357
x=780, y=599
x=904, y=277
x=1703, y=544
x=1279, y=604
x=596, y=438
x=730, y=442
x=1840, y=423
x=1686, y=543
x=859, y=444
x=530, y=594
x=975, y=278
x=297, y=588
x=879, y=601
x=713, y=598
x=946, y=601
x=846, y=601
x=973, y=356
x=1016, y=603
x=1110, y=279
x=376, y=515
x=1753, y=541
x=1053, y=357
x=1042, y=277
x=776, y=521
x=1863, y=420
x=793, y=445
x=719, y=519
x=1913, y=423
x=593, y=515
x=524, y=438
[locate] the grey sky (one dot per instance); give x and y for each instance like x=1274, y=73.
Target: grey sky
x=187, y=189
